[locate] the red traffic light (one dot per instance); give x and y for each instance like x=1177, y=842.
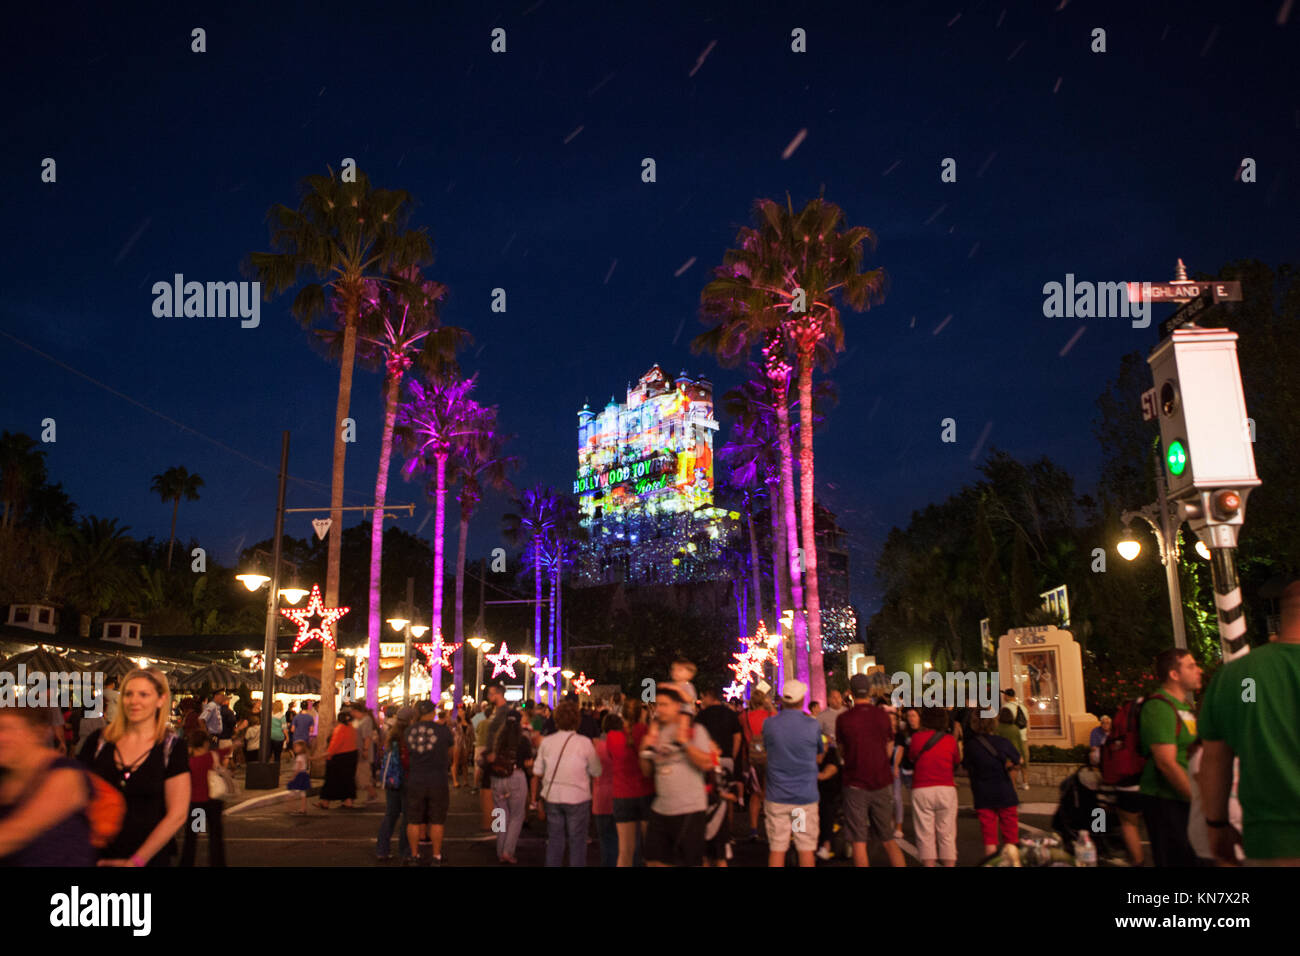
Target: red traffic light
x=1226, y=504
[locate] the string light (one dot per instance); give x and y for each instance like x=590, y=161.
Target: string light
x=545, y=673
x=582, y=683
x=503, y=662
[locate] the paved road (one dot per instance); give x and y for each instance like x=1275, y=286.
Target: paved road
x=268, y=835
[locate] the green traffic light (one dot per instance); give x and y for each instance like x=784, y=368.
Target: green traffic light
x=1176, y=458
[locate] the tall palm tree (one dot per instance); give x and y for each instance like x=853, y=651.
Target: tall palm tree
x=529, y=527
x=480, y=463
x=798, y=269
x=439, y=417
x=397, y=326
x=172, y=485
x=98, y=577
x=341, y=234
x=559, y=549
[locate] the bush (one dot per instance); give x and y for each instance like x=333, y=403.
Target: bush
x=1049, y=754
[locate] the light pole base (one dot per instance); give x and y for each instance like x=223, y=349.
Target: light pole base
x=262, y=776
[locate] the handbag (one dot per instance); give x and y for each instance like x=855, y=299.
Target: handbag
x=218, y=780
x=556, y=769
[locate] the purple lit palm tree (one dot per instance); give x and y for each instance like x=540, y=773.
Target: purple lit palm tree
x=479, y=463
x=341, y=234
x=398, y=326
x=529, y=527
x=439, y=417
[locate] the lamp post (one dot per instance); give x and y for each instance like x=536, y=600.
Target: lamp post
x=1164, y=524
x=264, y=773
x=481, y=647
x=568, y=678
x=403, y=624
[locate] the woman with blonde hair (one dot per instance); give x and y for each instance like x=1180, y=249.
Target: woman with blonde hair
x=141, y=755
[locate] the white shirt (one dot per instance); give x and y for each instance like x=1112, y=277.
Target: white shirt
x=565, y=779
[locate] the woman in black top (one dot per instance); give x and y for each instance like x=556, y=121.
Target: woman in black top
x=144, y=758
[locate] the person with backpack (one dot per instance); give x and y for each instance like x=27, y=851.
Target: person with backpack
x=866, y=741
x=1020, y=720
x=512, y=760
x=140, y=755
x=935, y=756
x=751, y=726
x=1167, y=726
x=203, y=804
x=989, y=758
x=1121, y=766
x=392, y=772
x=44, y=797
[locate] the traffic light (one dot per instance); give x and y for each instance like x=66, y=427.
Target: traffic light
x=1204, y=440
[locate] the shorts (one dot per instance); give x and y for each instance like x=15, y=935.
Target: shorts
x=676, y=840
x=1126, y=801
x=787, y=821
x=869, y=812
x=427, y=803
x=226, y=744
x=632, y=809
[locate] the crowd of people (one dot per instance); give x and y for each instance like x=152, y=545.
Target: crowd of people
x=665, y=781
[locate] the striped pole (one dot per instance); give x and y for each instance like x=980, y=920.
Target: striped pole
x=1228, y=603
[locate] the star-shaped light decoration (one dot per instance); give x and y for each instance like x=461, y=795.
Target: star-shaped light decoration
x=750, y=663
x=734, y=691
x=582, y=683
x=436, y=647
x=545, y=673
x=503, y=662
x=315, y=608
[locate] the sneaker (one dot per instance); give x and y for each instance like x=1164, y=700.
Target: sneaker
x=824, y=853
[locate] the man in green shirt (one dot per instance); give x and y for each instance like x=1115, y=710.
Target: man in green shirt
x=1252, y=712
x=1168, y=730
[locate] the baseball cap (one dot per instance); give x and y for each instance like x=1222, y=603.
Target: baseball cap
x=425, y=707
x=860, y=684
x=794, y=692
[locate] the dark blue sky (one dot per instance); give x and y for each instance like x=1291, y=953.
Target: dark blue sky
x=168, y=162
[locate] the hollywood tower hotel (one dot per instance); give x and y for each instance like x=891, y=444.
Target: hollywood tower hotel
x=645, y=485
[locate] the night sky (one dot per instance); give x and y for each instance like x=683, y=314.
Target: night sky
x=527, y=171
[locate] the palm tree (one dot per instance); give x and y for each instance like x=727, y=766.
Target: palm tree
x=397, y=326
x=341, y=234
x=172, y=485
x=480, y=462
x=529, y=527
x=22, y=472
x=98, y=576
x=797, y=269
x=559, y=548
x=437, y=420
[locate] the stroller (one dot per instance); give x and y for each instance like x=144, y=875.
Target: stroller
x=1081, y=810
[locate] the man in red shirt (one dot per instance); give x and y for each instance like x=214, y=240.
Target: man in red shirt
x=866, y=744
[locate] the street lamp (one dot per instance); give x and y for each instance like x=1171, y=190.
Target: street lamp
x=481, y=647
x=568, y=677
x=1165, y=518
x=1202, y=550
x=1129, y=548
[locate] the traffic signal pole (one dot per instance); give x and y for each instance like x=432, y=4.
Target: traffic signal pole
x=1227, y=600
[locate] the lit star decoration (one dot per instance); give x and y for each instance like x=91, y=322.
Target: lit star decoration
x=503, y=662
x=545, y=673
x=436, y=647
x=315, y=608
x=734, y=691
x=582, y=683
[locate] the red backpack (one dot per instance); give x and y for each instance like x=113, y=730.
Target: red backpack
x=1122, y=760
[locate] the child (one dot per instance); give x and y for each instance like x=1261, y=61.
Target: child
x=683, y=671
x=301, y=780
x=253, y=739
x=205, y=809
x=830, y=789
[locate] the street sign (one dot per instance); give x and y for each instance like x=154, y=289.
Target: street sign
x=1188, y=312
x=1184, y=291
x=1149, y=408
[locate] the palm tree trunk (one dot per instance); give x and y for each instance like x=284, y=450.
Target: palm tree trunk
x=559, y=618
x=817, y=688
x=171, y=540
x=780, y=579
x=753, y=569
x=439, y=531
x=791, y=536
x=374, y=623
x=537, y=597
x=328, y=657
x=458, y=659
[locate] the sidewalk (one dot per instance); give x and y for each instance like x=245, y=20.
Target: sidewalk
x=240, y=799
